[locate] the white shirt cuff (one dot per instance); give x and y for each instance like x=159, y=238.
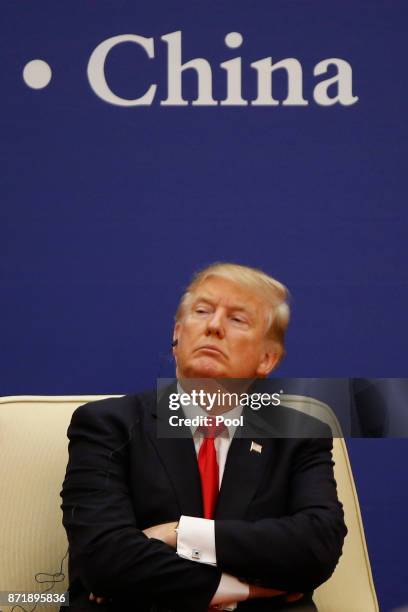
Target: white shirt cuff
x=230, y=589
x=196, y=540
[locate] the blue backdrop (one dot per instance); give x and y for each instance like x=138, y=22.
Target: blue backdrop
x=106, y=210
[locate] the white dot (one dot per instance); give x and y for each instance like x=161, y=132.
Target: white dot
x=233, y=40
x=37, y=74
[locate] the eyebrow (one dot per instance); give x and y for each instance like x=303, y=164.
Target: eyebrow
x=234, y=308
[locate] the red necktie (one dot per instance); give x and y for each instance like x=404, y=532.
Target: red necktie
x=208, y=467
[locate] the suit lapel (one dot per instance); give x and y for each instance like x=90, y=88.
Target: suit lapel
x=180, y=462
x=178, y=457
x=244, y=468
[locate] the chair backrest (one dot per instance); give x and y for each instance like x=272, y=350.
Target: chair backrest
x=33, y=458
x=351, y=587
x=315, y=408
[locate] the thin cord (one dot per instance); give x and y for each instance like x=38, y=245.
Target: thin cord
x=53, y=578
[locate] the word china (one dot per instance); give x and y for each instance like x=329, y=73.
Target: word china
x=341, y=84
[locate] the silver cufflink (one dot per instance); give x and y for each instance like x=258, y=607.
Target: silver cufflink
x=196, y=554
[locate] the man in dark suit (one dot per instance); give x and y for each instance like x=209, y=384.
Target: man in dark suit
x=146, y=529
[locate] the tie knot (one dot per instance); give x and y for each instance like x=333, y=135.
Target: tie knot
x=211, y=429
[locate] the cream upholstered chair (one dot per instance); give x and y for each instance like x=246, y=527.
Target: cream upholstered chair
x=33, y=458
x=33, y=544
x=351, y=587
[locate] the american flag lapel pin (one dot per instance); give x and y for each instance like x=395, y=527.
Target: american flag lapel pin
x=257, y=448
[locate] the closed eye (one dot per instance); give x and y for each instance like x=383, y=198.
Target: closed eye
x=238, y=319
x=202, y=310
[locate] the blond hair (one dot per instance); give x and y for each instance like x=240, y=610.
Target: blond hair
x=274, y=293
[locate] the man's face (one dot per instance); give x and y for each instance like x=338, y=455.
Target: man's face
x=221, y=333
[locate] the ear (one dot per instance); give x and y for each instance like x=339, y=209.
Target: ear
x=175, y=335
x=268, y=362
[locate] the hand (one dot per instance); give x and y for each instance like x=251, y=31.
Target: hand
x=258, y=591
x=166, y=532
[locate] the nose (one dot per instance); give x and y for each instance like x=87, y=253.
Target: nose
x=215, y=325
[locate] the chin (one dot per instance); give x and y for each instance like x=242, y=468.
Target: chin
x=205, y=368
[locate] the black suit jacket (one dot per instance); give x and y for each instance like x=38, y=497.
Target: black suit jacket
x=277, y=522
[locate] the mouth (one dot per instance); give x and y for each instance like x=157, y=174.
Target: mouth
x=211, y=350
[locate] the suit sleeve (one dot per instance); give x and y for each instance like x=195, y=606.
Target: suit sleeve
x=112, y=554
x=300, y=550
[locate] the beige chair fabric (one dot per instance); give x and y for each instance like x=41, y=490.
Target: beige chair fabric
x=33, y=544
x=315, y=408
x=33, y=458
x=351, y=588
